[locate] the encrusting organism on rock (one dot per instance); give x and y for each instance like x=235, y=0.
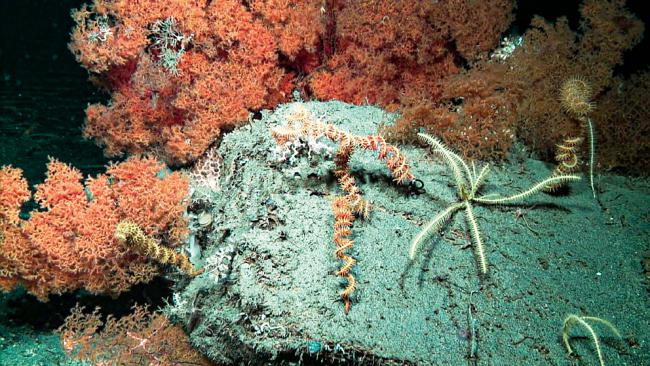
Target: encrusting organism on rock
x=301, y=124
x=468, y=182
x=572, y=319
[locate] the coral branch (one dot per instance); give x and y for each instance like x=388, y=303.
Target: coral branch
x=69, y=243
x=131, y=236
x=301, y=124
x=567, y=160
x=13, y=193
x=140, y=338
x=343, y=219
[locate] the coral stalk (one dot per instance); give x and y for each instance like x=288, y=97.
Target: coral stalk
x=343, y=219
x=567, y=160
x=131, y=236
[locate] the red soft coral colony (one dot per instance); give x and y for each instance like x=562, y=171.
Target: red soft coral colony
x=13, y=193
x=180, y=72
x=396, y=52
x=70, y=243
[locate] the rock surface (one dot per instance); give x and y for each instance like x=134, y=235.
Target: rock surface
x=270, y=295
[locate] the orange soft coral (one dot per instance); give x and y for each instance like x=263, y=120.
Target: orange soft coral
x=380, y=45
x=182, y=71
x=13, y=193
x=551, y=53
x=70, y=244
x=139, y=338
x=481, y=111
x=396, y=52
x=14, y=247
x=296, y=28
x=99, y=43
x=213, y=62
x=623, y=121
x=475, y=114
x=476, y=26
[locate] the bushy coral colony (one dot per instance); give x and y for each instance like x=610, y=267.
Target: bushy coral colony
x=70, y=242
x=181, y=73
x=231, y=57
